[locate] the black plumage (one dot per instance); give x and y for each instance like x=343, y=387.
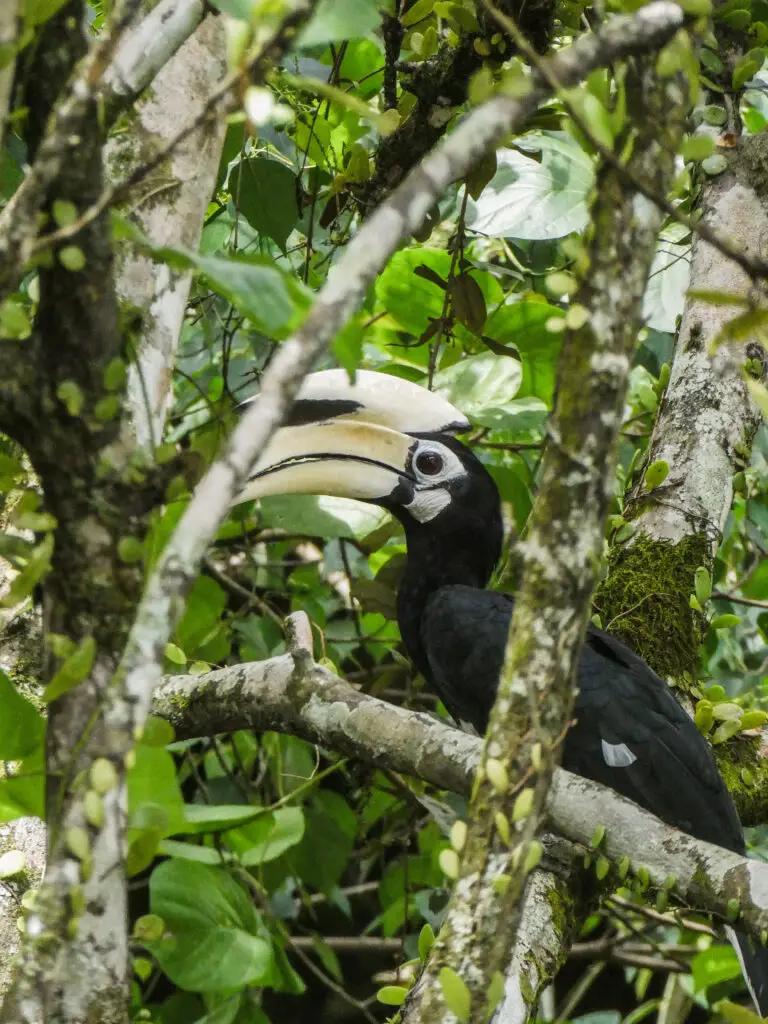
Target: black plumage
x=630, y=732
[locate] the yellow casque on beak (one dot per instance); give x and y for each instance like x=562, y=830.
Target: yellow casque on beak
x=344, y=459
x=350, y=440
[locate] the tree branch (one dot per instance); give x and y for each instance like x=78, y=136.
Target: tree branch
x=534, y=702
x=355, y=272
x=173, y=208
x=9, y=24
x=291, y=694
x=704, y=431
x=18, y=221
x=147, y=49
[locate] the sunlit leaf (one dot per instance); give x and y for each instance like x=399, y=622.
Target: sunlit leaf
x=532, y=198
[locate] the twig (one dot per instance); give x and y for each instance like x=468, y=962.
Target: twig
x=753, y=602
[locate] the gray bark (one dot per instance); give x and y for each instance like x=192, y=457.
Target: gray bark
x=290, y=694
x=174, y=206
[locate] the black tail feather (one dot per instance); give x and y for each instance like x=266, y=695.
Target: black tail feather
x=754, y=966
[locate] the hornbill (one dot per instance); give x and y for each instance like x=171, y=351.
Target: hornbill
x=390, y=442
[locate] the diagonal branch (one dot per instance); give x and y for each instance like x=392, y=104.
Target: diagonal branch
x=357, y=269
x=9, y=26
x=561, y=555
x=291, y=694
x=147, y=49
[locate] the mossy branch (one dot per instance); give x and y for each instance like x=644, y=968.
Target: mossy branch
x=703, y=431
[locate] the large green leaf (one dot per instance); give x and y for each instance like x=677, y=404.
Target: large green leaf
x=485, y=388
x=212, y=942
x=322, y=516
x=153, y=784
x=330, y=828
x=268, y=837
x=21, y=724
x=202, y=818
x=668, y=280
x=713, y=965
x=24, y=793
x=200, y=620
x=524, y=325
x=264, y=191
x=537, y=198
x=275, y=302
x=336, y=20
x=411, y=299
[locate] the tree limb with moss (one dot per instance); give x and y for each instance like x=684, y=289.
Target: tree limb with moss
x=702, y=439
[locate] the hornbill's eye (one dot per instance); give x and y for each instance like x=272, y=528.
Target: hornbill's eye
x=429, y=463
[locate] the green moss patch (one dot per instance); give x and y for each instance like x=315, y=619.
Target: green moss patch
x=644, y=601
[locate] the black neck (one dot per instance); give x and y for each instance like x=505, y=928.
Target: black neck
x=440, y=554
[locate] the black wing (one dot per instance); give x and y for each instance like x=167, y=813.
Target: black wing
x=630, y=732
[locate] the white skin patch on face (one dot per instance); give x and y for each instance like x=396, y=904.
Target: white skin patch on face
x=428, y=504
x=434, y=466
x=617, y=755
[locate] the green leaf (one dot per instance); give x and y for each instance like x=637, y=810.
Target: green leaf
x=426, y=941
x=71, y=257
x=714, y=965
x=21, y=724
x=698, y=147
x=714, y=165
x=194, y=852
x=745, y=70
x=322, y=516
x=264, y=191
x=736, y=1014
x=407, y=296
x=175, y=655
x=725, y=621
x=38, y=564
x=213, y=943
x=392, y=995
x=24, y=793
x=200, y=620
x=64, y=212
x=330, y=826
x=656, y=474
x=594, y=115
x=702, y=584
x=524, y=325
x=536, y=198
x=483, y=387
x=274, y=301
x=14, y=320
x=36, y=12
x=202, y=818
x=455, y=993
x=152, y=782
x=74, y=670
x=667, y=281
x=270, y=836
x=481, y=173
x=338, y=20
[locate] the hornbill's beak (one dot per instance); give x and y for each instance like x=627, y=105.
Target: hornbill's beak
x=350, y=440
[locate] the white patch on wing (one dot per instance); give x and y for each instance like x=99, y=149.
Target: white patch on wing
x=428, y=504
x=467, y=727
x=617, y=755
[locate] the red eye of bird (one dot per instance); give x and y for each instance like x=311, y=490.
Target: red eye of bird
x=429, y=463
